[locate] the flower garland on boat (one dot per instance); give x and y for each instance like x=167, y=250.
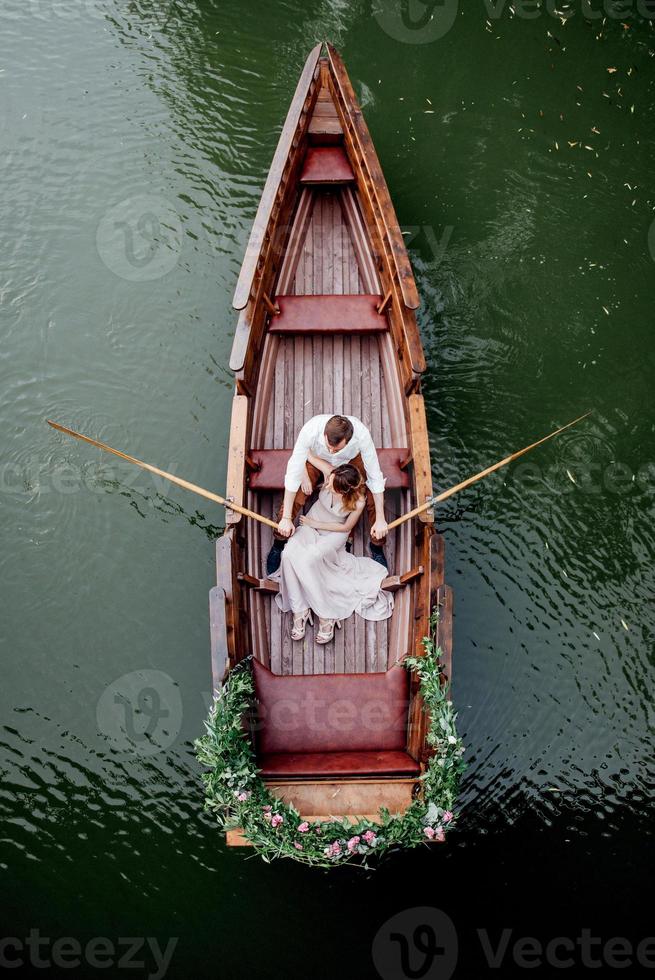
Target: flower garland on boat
x=238, y=797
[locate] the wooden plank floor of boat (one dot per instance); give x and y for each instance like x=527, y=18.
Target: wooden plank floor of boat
x=305, y=375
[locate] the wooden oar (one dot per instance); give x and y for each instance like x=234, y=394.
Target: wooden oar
x=478, y=476
x=168, y=476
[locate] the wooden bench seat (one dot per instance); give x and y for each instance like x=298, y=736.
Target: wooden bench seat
x=326, y=165
x=334, y=314
x=268, y=467
x=290, y=765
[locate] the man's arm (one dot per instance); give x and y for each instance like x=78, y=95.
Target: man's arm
x=296, y=473
x=375, y=481
x=296, y=465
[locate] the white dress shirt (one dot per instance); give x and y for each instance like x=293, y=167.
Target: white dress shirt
x=311, y=439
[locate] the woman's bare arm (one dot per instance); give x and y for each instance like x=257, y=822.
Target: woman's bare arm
x=320, y=464
x=348, y=525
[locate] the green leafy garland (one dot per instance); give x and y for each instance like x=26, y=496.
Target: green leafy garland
x=239, y=798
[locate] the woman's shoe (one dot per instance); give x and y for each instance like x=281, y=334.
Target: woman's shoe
x=326, y=630
x=300, y=624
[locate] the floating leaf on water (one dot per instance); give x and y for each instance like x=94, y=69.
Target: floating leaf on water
x=632, y=109
x=573, y=144
x=570, y=476
x=612, y=70
x=596, y=131
x=554, y=789
x=556, y=145
x=625, y=626
x=606, y=310
x=596, y=635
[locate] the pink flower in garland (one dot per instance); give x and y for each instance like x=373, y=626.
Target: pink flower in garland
x=267, y=816
x=276, y=820
x=303, y=827
x=439, y=835
x=447, y=817
x=369, y=836
x=298, y=846
x=429, y=832
x=267, y=809
x=242, y=797
x=334, y=850
x=352, y=843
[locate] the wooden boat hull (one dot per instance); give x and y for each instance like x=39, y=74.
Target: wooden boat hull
x=326, y=300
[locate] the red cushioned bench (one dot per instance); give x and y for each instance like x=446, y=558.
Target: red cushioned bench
x=328, y=314
x=326, y=165
x=268, y=467
x=332, y=724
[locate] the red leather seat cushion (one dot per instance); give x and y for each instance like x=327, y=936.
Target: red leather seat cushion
x=338, y=314
x=331, y=712
x=273, y=464
x=287, y=765
x=326, y=165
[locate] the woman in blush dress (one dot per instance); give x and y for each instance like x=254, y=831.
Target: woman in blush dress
x=317, y=574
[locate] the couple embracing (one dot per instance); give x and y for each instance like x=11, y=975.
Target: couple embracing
x=316, y=572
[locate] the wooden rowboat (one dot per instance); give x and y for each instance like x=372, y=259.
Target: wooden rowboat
x=327, y=300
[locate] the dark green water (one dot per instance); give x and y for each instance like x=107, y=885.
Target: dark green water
x=135, y=138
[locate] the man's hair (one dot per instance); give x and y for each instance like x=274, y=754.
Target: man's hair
x=337, y=429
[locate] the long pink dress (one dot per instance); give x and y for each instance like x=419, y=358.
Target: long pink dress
x=316, y=571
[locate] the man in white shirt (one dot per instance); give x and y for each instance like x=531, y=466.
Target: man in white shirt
x=332, y=440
